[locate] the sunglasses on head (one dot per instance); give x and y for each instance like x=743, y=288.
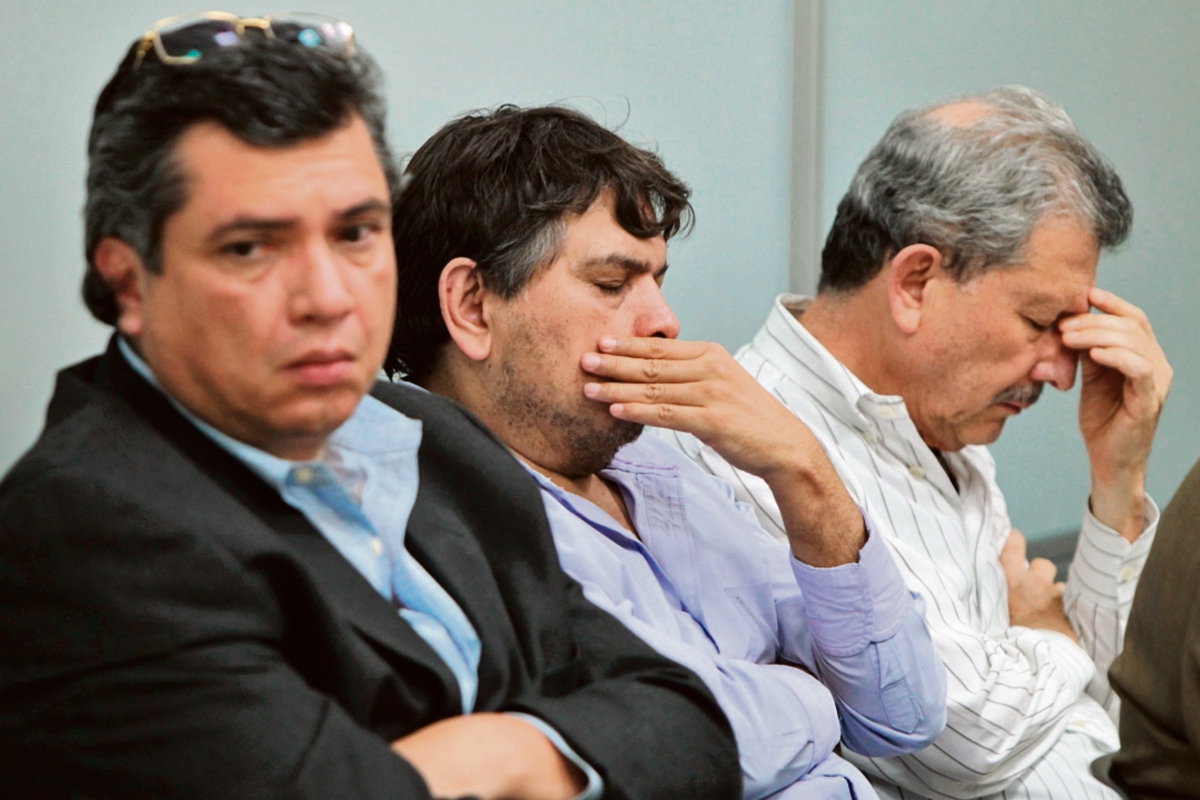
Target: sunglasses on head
x=186, y=38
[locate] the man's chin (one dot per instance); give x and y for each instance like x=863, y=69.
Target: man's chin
x=984, y=432
x=954, y=439
x=592, y=453
x=318, y=413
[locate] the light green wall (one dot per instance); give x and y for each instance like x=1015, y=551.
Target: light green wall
x=1129, y=75
x=706, y=80
x=709, y=82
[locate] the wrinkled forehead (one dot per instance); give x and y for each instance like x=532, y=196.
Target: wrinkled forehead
x=1048, y=291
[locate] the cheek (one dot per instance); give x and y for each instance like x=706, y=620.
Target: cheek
x=376, y=292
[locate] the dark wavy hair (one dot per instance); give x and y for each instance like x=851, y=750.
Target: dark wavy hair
x=266, y=93
x=494, y=186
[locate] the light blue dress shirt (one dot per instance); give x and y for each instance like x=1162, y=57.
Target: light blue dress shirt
x=359, y=496
x=707, y=587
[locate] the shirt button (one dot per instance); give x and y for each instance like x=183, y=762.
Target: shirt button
x=916, y=472
x=377, y=545
x=303, y=475
x=1127, y=574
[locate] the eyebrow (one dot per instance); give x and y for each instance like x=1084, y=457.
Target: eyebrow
x=269, y=225
x=624, y=262
x=1043, y=302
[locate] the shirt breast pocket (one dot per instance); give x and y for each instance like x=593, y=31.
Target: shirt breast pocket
x=745, y=625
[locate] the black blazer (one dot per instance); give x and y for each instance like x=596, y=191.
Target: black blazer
x=169, y=627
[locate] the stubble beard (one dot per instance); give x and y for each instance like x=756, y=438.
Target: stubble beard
x=582, y=441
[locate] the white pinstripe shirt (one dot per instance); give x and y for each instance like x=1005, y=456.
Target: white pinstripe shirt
x=1026, y=708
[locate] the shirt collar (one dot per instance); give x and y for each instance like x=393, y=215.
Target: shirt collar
x=783, y=340
x=374, y=429
x=881, y=420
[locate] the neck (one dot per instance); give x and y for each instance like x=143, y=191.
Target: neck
x=460, y=384
x=852, y=327
x=593, y=488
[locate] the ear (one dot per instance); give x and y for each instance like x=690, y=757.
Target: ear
x=122, y=269
x=463, y=297
x=910, y=274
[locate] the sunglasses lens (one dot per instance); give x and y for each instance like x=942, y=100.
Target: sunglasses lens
x=313, y=30
x=192, y=39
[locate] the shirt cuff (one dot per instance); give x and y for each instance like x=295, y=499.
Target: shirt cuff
x=595, y=784
x=852, y=605
x=1106, y=566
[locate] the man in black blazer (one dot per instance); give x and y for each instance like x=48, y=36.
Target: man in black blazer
x=204, y=591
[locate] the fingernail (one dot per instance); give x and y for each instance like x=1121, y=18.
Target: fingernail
x=591, y=389
x=608, y=342
x=590, y=361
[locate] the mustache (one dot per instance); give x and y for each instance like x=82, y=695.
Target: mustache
x=1025, y=395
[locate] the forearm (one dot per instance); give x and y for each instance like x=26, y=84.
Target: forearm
x=823, y=525
x=1118, y=501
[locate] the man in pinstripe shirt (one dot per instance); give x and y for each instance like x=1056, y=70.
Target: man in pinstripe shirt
x=956, y=283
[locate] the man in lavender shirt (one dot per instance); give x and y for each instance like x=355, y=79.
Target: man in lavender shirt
x=532, y=247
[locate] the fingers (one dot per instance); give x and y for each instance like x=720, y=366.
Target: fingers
x=1012, y=555
x=1043, y=569
x=1110, y=303
x=1136, y=368
x=688, y=394
x=642, y=370
x=1014, y=547
x=1120, y=339
x=654, y=347
x=689, y=419
x=1092, y=330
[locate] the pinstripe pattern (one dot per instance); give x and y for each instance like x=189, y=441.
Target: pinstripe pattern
x=1028, y=710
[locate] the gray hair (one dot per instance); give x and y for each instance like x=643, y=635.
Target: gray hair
x=974, y=191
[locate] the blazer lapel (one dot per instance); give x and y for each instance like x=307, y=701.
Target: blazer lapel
x=443, y=545
x=348, y=591
x=357, y=601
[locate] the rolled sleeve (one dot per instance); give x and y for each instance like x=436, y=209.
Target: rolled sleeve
x=852, y=605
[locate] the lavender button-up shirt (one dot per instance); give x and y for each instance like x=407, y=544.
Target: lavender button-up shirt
x=703, y=584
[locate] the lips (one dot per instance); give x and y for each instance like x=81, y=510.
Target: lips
x=322, y=367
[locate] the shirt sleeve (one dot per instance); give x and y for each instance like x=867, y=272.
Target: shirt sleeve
x=784, y=720
x=872, y=650
x=856, y=625
x=1010, y=694
x=1099, y=594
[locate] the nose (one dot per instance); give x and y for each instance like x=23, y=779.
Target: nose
x=319, y=291
x=1056, y=362
x=654, y=316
